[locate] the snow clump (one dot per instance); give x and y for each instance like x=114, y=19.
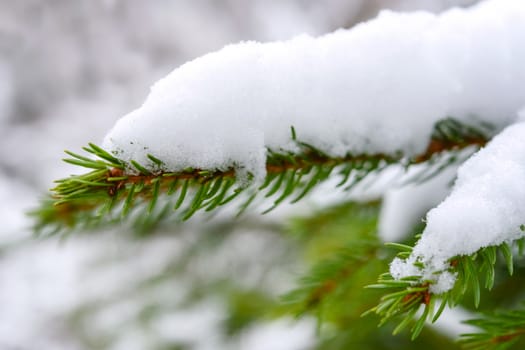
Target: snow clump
x=377, y=88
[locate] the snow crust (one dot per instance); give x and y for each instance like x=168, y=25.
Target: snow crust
x=377, y=88
x=486, y=208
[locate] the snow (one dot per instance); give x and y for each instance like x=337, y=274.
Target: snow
x=377, y=88
x=486, y=208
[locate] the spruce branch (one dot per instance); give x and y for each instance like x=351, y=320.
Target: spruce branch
x=115, y=189
x=498, y=330
x=404, y=297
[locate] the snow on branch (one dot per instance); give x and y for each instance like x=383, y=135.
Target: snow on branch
x=111, y=192
x=360, y=100
x=376, y=91
x=378, y=88
x=486, y=208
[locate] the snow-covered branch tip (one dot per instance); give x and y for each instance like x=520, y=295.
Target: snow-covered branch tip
x=404, y=296
x=114, y=188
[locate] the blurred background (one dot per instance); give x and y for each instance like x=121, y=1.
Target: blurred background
x=68, y=71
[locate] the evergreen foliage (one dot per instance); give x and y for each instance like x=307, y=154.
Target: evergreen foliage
x=499, y=330
x=405, y=297
x=346, y=254
x=113, y=190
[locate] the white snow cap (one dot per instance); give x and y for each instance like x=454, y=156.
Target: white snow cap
x=486, y=208
x=377, y=88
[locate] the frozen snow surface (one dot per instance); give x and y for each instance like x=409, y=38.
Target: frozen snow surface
x=377, y=88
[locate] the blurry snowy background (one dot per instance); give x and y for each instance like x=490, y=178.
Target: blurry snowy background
x=68, y=71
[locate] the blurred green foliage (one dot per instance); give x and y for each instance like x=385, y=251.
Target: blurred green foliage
x=325, y=260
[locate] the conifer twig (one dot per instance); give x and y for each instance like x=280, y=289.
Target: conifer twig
x=496, y=331
x=113, y=189
x=404, y=297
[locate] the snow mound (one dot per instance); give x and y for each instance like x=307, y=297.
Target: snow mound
x=377, y=88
